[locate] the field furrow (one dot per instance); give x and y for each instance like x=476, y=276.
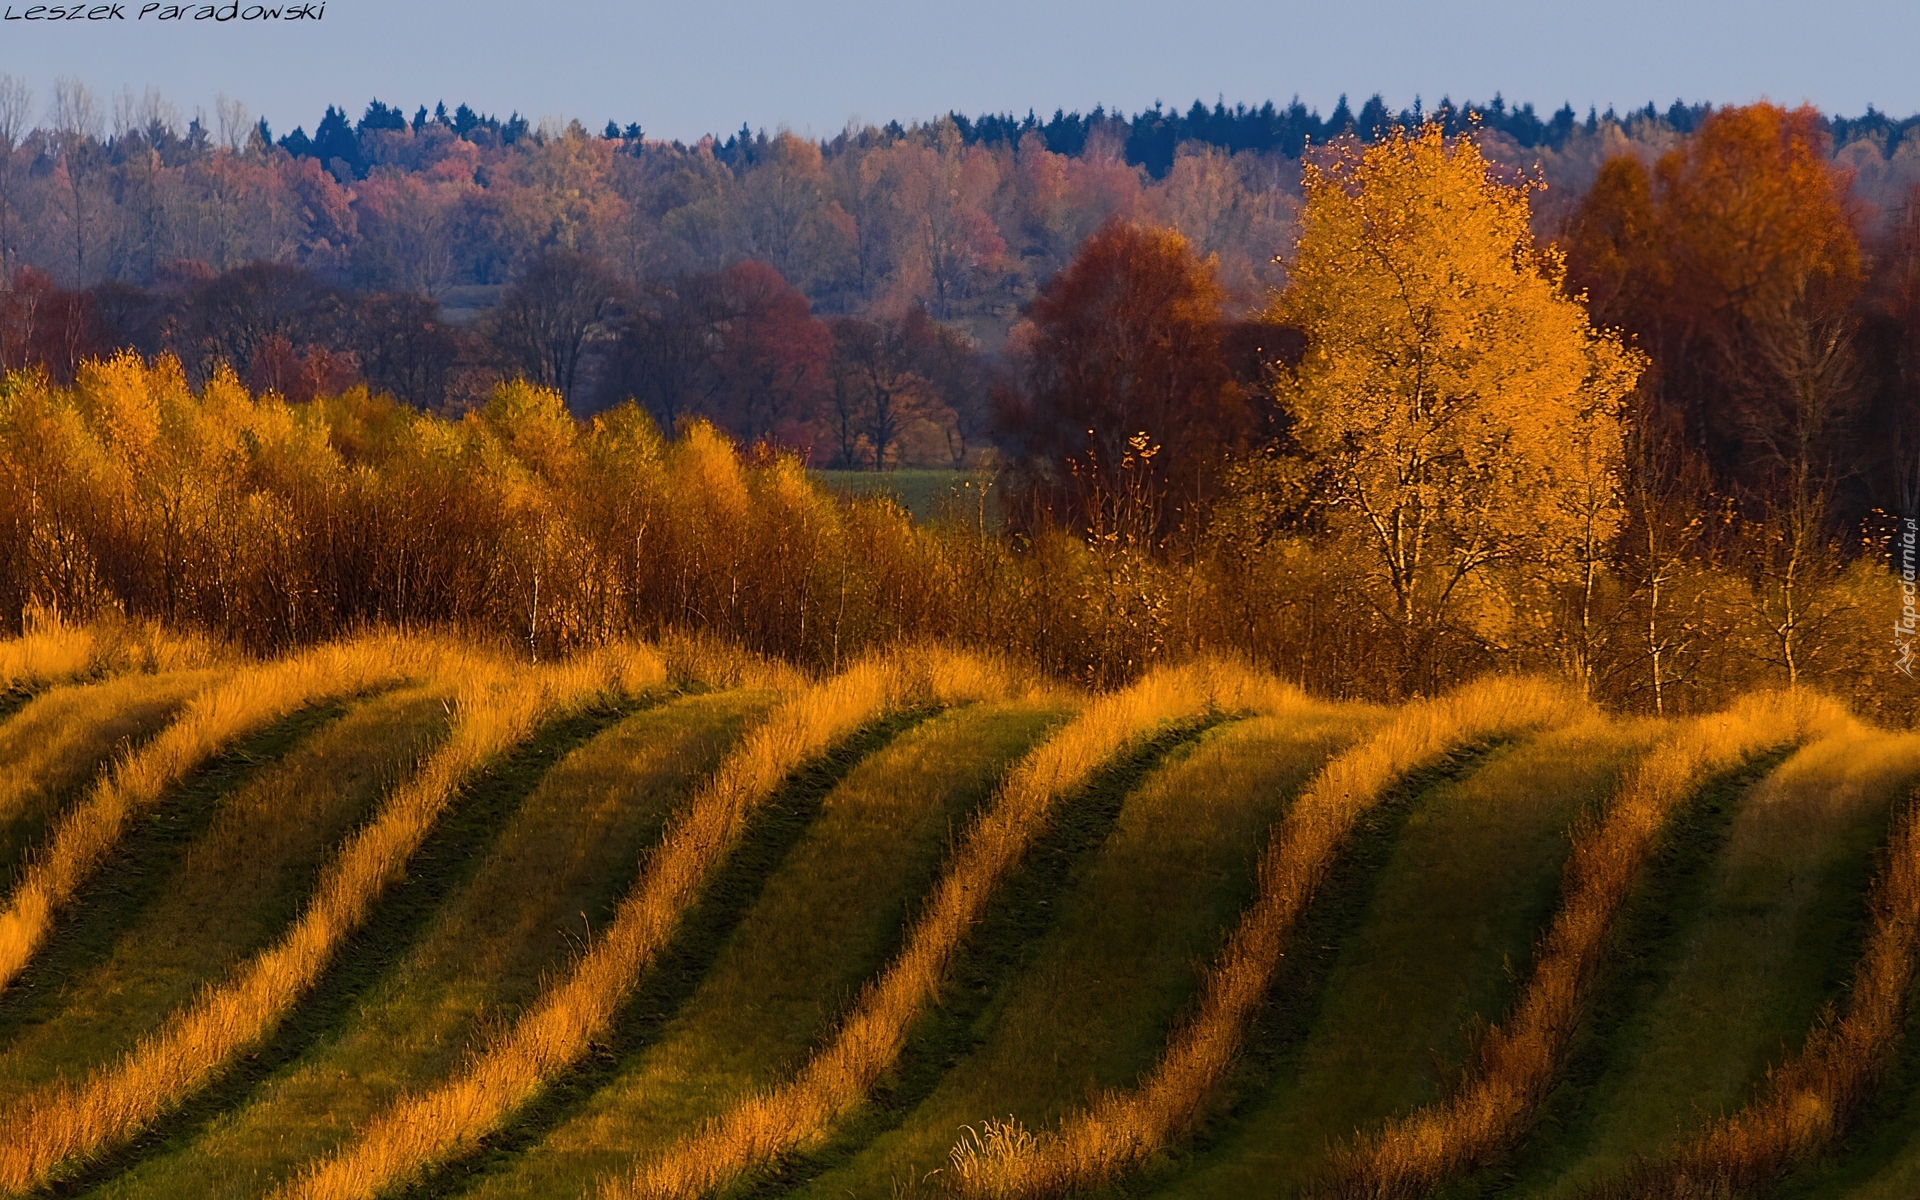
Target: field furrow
x=508, y=913
x=449, y=1120
x=824, y=923
x=1776, y=928
x=1420, y=955
x=231, y=890
x=765, y=1129
x=60, y=740
x=134, y=880
x=246, y=702
x=1517, y=1063
x=1119, y=1129
x=497, y=708
x=1086, y=1002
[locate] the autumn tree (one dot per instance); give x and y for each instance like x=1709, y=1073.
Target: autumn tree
x=1737, y=265
x=1127, y=340
x=875, y=390
x=405, y=349
x=1463, y=409
x=546, y=319
x=772, y=355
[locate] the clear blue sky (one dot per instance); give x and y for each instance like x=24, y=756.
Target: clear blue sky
x=688, y=68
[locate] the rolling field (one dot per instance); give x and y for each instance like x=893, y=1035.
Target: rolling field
x=402, y=917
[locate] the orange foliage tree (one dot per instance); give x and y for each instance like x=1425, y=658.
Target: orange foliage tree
x=1465, y=414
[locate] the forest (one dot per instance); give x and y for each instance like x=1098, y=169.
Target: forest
x=576, y=347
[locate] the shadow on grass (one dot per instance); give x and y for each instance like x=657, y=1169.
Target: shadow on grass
x=726, y=898
x=139, y=866
x=1019, y=915
x=1645, y=951
x=447, y=859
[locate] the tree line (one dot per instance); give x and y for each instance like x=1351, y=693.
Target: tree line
x=1660, y=452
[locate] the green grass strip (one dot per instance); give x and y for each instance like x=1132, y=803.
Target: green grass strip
x=1420, y=943
x=729, y=894
x=237, y=887
x=1616, y=1098
x=136, y=875
x=1052, y=921
x=338, y=1004
x=830, y=918
x=52, y=748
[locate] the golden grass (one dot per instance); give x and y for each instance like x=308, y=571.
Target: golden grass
x=1810, y=1101
x=763, y=1128
x=425, y=1128
x=54, y=746
x=496, y=707
x=1119, y=1129
x=250, y=699
x=1515, y=1062
x=52, y=651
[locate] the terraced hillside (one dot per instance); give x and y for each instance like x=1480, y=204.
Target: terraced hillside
x=402, y=917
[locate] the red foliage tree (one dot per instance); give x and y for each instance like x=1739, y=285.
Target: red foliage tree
x=1126, y=341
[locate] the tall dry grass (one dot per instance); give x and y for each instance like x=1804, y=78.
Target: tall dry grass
x=247, y=701
x=1809, y=1102
x=54, y=651
x=1119, y=1129
x=1515, y=1062
x=423, y=1129
x=497, y=706
x=762, y=1128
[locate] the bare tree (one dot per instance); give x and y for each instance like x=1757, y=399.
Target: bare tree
x=1804, y=375
x=75, y=121
x=546, y=320
x=234, y=121
x=16, y=102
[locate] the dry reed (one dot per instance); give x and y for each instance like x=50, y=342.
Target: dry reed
x=1811, y=1100
x=1121, y=1128
x=496, y=707
x=1515, y=1062
x=249, y=700
x=763, y=1128
x=423, y=1129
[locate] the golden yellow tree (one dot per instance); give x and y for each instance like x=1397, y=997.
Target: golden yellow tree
x=1465, y=411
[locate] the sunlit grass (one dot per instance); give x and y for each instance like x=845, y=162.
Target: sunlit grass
x=1433, y=931
x=249, y=699
x=56, y=744
x=236, y=886
x=820, y=927
x=497, y=706
x=1516, y=1061
x=837, y=1078
x=1811, y=805
x=551, y=875
x=556, y=1029
x=1087, y=1003
x=1120, y=1128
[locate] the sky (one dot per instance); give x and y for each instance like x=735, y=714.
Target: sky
x=685, y=69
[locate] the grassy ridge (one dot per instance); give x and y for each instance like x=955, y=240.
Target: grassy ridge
x=1055, y=1005
x=511, y=912
x=1468, y=882
x=1783, y=924
x=826, y=921
x=1774, y=927
x=134, y=878
x=235, y=886
x=60, y=739
x=1112, y=954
